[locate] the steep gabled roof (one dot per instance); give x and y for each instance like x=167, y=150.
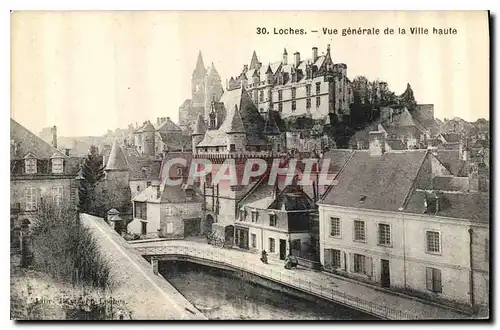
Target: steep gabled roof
x=254, y=61
x=212, y=72
x=199, y=71
x=376, y=182
x=235, y=122
x=117, y=160
x=168, y=126
x=24, y=141
x=200, y=127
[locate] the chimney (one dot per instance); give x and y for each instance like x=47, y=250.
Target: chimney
x=315, y=54
x=245, y=68
x=297, y=58
x=67, y=151
x=285, y=57
x=165, y=119
x=158, y=121
x=54, y=136
x=377, y=143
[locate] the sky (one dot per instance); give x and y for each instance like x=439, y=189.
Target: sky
x=87, y=72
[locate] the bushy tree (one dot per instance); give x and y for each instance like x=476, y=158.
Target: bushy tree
x=91, y=174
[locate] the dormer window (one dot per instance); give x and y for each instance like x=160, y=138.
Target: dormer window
x=30, y=164
x=57, y=165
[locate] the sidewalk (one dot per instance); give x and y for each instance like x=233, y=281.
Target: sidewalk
x=302, y=277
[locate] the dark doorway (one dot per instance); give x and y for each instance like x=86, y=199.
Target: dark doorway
x=241, y=238
x=229, y=235
x=192, y=227
x=208, y=223
x=282, y=249
x=385, y=274
x=144, y=228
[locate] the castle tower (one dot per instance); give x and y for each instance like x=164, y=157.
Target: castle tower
x=235, y=132
x=148, y=143
x=117, y=181
x=213, y=89
x=198, y=82
x=198, y=132
x=254, y=62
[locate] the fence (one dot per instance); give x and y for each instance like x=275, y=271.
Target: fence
x=259, y=269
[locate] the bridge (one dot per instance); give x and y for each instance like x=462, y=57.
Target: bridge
x=146, y=294
x=341, y=291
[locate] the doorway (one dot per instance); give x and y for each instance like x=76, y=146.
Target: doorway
x=385, y=273
x=282, y=249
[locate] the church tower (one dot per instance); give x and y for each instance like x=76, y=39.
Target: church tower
x=198, y=83
x=213, y=89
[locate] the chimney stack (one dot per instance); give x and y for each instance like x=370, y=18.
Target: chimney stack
x=297, y=59
x=315, y=54
x=377, y=143
x=54, y=136
x=165, y=119
x=158, y=121
x=285, y=57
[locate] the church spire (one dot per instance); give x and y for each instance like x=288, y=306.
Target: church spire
x=212, y=72
x=199, y=71
x=254, y=61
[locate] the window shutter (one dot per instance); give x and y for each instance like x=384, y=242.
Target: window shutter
x=328, y=258
x=436, y=276
x=428, y=278
x=343, y=260
x=351, y=262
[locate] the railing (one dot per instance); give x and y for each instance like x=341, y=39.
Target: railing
x=259, y=269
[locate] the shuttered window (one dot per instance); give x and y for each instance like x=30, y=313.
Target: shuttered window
x=433, y=279
x=336, y=259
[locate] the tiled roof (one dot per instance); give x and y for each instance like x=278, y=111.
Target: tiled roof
x=376, y=182
x=175, y=141
x=451, y=160
x=168, y=126
x=24, y=141
x=396, y=144
x=144, y=168
x=450, y=183
x=117, y=159
x=235, y=122
x=338, y=158
x=451, y=137
x=473, y=206
x=146, y=127
x=292, y=198
x=168, y=194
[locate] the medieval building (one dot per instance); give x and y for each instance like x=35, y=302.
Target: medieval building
x=206, y=87
x=313, y=87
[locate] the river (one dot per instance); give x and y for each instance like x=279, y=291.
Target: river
x=223, y=295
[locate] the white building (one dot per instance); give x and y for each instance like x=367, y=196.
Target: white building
x=402, y=221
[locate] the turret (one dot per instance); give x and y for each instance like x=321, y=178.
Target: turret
x=285, y=57
x=254, y=62
x=198, y=132
x=235, y=131
x=148, y=143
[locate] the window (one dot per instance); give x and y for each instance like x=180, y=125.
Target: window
x=335, y=227
x=384, y=234
x=294, y=105
x=433, y=244
x=148, y=184
x=318, y=102
x=170, y=227
x=180, y=171
x=294, y=92
x=359, y=263
x=359, y=230
x=308, y=90
x=433, y=279
x=57, y=195
x=308, y=103
x=336, y=259
x=254, y=240
x=138, y=188
x=144, y=228
x=232, y=147
x=57, y=165
x=140, y=210
x=255, y=216
x=261, y=96
x=272, y=220
x=272, y=247
x=280, y=107
x=30, y=166
x=318, y=88
x=31, y=198
x=280, y=95
x=261, y=110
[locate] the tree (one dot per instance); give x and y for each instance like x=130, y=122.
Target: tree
x=91, y=173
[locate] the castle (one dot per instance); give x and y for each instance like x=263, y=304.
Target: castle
x=314, y=87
